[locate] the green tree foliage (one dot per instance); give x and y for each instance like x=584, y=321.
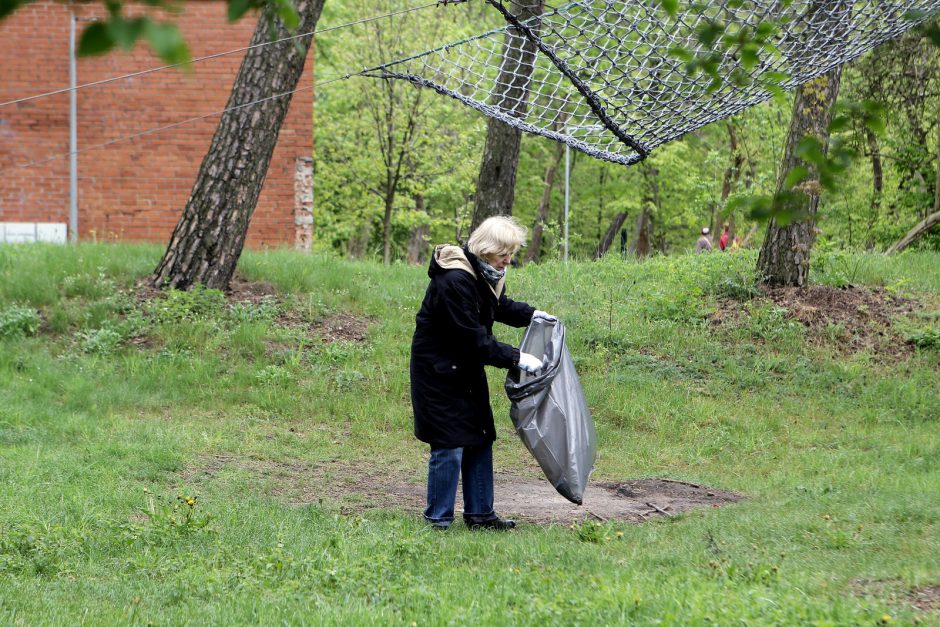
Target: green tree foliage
x=369, y=132
x=120, y=30
x=879, y=100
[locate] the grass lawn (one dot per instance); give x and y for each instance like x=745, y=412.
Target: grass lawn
x=185, y=459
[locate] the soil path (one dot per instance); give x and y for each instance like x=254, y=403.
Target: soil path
x=356, y=488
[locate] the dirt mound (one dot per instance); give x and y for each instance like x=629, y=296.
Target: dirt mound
x=334, y=327
x=356, y=488
x=850, y=318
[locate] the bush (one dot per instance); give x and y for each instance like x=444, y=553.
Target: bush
x=19, y=321
x=925, y=338
x=101, y=341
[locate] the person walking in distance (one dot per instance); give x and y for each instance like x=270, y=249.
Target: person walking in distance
x=704, y=243
x=452, y=343
x=723, y=240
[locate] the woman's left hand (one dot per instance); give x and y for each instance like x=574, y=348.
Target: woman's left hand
x=543, y=315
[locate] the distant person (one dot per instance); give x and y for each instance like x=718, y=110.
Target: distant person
x=452, y=343
x=704, y=243
x=723, y=240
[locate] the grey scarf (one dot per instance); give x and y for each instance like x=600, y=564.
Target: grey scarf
x=491, y=274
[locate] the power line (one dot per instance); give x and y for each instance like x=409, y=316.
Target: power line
x=112, y=79
x=160, y=129
x=154, y=131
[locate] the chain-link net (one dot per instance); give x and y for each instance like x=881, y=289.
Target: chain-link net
x=617, y=78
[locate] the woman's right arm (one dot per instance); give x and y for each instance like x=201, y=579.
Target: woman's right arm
x=460, y=309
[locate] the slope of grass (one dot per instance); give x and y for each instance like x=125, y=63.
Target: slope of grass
x=111, y=408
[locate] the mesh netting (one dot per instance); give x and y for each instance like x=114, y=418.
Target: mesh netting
x=605, y=77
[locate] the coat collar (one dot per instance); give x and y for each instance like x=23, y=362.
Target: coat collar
x=449, y=257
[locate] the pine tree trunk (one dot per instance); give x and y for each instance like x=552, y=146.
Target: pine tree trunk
x=784, y=257
x=496, y=183
x=208, y=240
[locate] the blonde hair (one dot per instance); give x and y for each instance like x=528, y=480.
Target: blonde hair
x=498, y=235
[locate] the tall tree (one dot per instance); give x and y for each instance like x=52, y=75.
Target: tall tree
x=496, y=183
x=784, y=257
x=208, y=240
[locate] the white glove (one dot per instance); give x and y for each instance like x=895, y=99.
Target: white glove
x=529, y=363
x=538, y=314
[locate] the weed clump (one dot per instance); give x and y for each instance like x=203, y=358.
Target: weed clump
x=19, y=321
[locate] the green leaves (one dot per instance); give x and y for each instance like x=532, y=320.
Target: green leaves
x=9, y=6
x=164, y=38
x=95, y=39
x=671, y=7
x=238, y=8
x=166, y=41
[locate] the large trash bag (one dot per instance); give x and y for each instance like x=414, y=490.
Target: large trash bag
x=550, y=413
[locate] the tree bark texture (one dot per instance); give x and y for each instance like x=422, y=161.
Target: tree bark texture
x=784, y=257
x=208, y=239
x=496, y=183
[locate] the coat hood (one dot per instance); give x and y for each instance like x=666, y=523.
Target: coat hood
x=450, y=257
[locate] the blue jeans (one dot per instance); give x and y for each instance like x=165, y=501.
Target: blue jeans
x=445, y=467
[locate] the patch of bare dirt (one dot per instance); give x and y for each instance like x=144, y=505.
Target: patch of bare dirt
x=926, y=598
x=355, y=488
x=335, y=327
x=850, y=318
x=241, y=290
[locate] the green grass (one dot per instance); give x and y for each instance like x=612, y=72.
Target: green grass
x=109, y=409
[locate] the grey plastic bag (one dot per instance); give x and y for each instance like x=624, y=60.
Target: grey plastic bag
x=550, y=413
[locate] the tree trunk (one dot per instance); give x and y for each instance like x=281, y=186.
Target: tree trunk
x=642, y=246
x=925, y=225
x=608, y=238
x=534, y=251
x=208, y=240
x=731, y=178
x=877, y=185
x=784, y=257
x=389, y=199
x=418, y=243
x=496, y=183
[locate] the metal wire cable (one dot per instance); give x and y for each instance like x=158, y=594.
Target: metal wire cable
x=217, y=55
x=160, y=129
x=604, y=76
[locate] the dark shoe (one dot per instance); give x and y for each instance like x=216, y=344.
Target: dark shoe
x=496, y=524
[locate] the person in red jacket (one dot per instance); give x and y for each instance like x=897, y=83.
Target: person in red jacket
x=723, y=240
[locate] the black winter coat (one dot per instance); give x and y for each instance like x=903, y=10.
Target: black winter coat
x=453, y=340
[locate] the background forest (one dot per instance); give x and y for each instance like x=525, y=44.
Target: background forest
x=396, y=165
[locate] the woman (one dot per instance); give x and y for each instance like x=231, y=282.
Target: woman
x=452, y=343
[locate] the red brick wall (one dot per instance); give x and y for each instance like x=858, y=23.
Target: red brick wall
x=136, y=189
